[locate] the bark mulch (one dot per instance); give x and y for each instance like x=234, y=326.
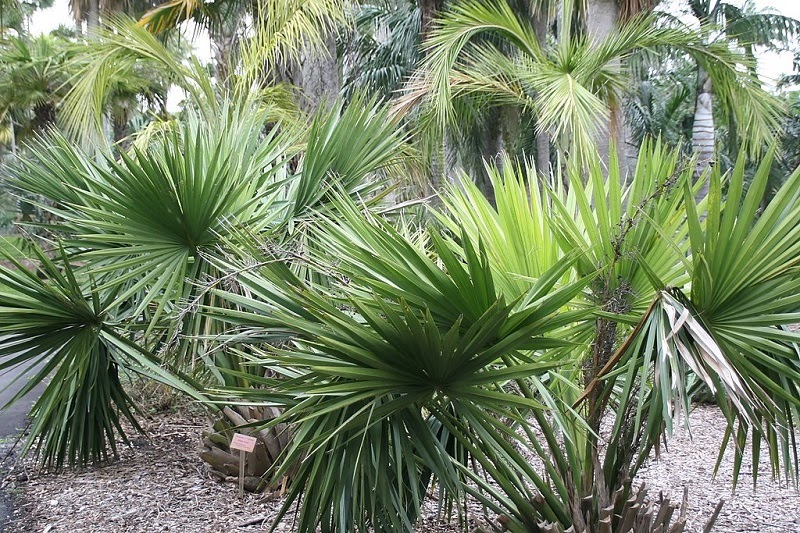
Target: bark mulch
x=160, y=484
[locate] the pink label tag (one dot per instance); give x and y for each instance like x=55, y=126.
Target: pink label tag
x=243, y=443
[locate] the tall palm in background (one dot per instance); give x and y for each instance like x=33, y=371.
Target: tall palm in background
x=662, y=105
x=743, y=27
x=383, y=50
x=14, y=14
x=297, y=38
x=573, y=87
x=32, y=84
x=222, y=20
x=134, y=90
x=93, y=12
x=123, y=62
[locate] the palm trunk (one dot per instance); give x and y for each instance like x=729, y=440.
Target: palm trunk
x=122, y=132
x=540, y=28
x=44, y=116
x=428, y=10
x=493, y=146
x=543, y=156
x=438, y=168
x=703, y=137
x=93, y=20
x=602, y=17
x=223, y=41
x=13, y=137
x=318, y=77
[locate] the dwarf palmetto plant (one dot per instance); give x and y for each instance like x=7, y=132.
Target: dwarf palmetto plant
x=393, y=366
x=143, y=221
x=665, y=278
x=468, y=357
x=148, y=220
x=148, y=225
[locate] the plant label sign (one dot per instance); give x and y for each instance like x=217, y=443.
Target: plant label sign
x=243, y=443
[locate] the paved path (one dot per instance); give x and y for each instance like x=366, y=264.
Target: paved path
x=12, y=422
x=13, y=419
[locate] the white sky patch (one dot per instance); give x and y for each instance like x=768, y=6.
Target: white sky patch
x=47, y=20
x=771, y=65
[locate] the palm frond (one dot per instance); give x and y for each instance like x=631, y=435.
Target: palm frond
x=63, y=330
x=573, y=86
x=346, y=149
x=120, y=51
x=286, y=29
x=404, y=339
x=145, y=220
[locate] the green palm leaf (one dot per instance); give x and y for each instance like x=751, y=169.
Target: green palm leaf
x=144, y=221
x=64, y=331
x=375, y=357
x=575, y=86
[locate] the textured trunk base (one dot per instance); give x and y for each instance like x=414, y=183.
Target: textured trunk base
x=223, y=463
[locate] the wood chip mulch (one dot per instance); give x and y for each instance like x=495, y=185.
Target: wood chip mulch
x=160, y=484
x=770, y=507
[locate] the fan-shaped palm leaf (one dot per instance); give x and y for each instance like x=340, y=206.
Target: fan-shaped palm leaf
x=402, y=341
x=65, y=330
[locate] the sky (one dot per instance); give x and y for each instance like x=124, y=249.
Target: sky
x=771, y=65
x=46, y=20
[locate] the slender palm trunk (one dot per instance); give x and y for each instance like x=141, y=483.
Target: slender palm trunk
x=703, y=137
x=121, y=131
x=540, y=28
x=602, y=19
x=493, y=146
x=438, y=169
x=428, y=10
x=223, y=41
x=13, y=137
